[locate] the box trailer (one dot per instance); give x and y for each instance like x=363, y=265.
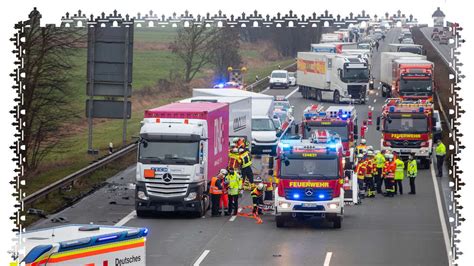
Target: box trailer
x=334, y=77
x=182, y=145
x=72, y=245
x=240, y=114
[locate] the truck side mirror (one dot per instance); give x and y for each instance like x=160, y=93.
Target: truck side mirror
x=378, y=122
x=287, y=162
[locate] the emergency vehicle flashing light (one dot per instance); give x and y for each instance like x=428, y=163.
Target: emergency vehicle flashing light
x=321, y=196
x=296, y=196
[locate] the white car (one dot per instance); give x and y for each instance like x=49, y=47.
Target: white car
x=407, y=41
x=292, y=78
x=279, y=79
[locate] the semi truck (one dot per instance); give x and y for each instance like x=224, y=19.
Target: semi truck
x=240, y=114
x=409, y=48
x=390, y=72
x=311, y=179
x=77, y=244
x=265, y=134
x=334, y=77
x=407, y=128
x=181, y=146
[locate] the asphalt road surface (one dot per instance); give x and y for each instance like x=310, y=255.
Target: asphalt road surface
x=404, y=230
x=444, y=50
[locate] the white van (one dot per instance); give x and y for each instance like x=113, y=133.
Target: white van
x=279, y=79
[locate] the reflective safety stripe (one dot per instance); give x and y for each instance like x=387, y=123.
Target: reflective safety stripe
x=412, y=168
x=246, y=161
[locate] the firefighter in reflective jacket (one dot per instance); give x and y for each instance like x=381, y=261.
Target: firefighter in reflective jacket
x=379, y=163
x=360, y=170
x=412, y=171
x=369, y=174
x=234, y=159
x=257, y=197
x=361, y=146
x=215, y=189
x=389, y=174
x=234, y=183
x=246, y=165
x=399, y=175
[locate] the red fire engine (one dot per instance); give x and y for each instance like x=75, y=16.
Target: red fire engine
x=339, y=119
x=311, y=179
x=407, y=127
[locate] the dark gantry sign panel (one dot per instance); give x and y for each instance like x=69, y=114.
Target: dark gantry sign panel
x=108, y=109
x=106, y=60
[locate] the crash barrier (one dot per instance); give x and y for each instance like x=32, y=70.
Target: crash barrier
x=70, y=179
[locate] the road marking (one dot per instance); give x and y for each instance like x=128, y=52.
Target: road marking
x=127, y=218
x=265, y=90
x=201, y=258
x=327, y=260
x=441, y=213
x=235, y=216
x=291, y=93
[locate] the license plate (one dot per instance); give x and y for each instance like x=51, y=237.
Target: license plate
x=268, y=150
x=167, y=208
x=404, y=151
x=309, y=205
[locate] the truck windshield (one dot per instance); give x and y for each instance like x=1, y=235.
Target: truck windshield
x=310, y=168
x=279, y=75
x=414, y=50
x=168, y=152
x=341, y=130
x=406, y=125
x=282, y=105
x=363, y=46
x=415, y=85
x=281, y=115
x=263, y=125
x=355, y=75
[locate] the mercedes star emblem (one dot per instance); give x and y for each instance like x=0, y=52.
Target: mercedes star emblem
x=167, y=177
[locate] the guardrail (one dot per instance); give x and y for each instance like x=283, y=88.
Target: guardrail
x=68, y=180
x=257, y=86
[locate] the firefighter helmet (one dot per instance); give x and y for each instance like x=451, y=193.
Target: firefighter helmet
x=376, y=152
x=370, y=153
x=260, y=186
x=241, y=150
x=234, y=140
x=363, y=141
x=370, y=148
x=390, y=156
x=235, y=150
x=360, y=156
x=223, y=171
x=258, y=179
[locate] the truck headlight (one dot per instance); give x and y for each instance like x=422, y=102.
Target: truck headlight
x=284, y=205
x=191, y=196
x=141, y=195
x=333, y=205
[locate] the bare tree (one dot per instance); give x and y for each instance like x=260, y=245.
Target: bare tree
x=47, y=95
x=195, y=47
x=226, y=52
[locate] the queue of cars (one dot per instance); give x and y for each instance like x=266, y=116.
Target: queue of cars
x=440, y=35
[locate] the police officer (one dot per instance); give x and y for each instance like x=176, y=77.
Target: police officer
x=247, y=172
x=399, y=175
x=379, y=164
x=440, y=154
x=412, y=171
x=234, y=184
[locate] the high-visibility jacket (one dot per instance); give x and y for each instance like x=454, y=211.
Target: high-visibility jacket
x=379, y=160
x=399, y=169
x=361, y=169
x=370, y=168
x=360, y=147
x=234, y=160
x=241, y=143
x=257, y=193
x=216, y=186
x=246, y=160
x=234, y=182
x=440, y=149
x=412, y=168
x=389, y=169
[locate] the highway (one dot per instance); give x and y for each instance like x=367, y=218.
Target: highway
x=404, y=230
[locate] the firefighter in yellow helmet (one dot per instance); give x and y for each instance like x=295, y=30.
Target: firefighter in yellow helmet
x=257, y=195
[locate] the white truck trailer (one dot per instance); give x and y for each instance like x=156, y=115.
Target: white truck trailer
x=84, y=245
x=386, y=68
x=265, y=134
x=240, y=114
x=334, y=77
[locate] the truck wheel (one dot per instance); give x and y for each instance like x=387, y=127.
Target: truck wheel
x=319, y=96
x=337, y=222
x=337, y=98
x=280, y=221
x=426, y=163
x=384, y=93
x=202, y=210
x=303, y=92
